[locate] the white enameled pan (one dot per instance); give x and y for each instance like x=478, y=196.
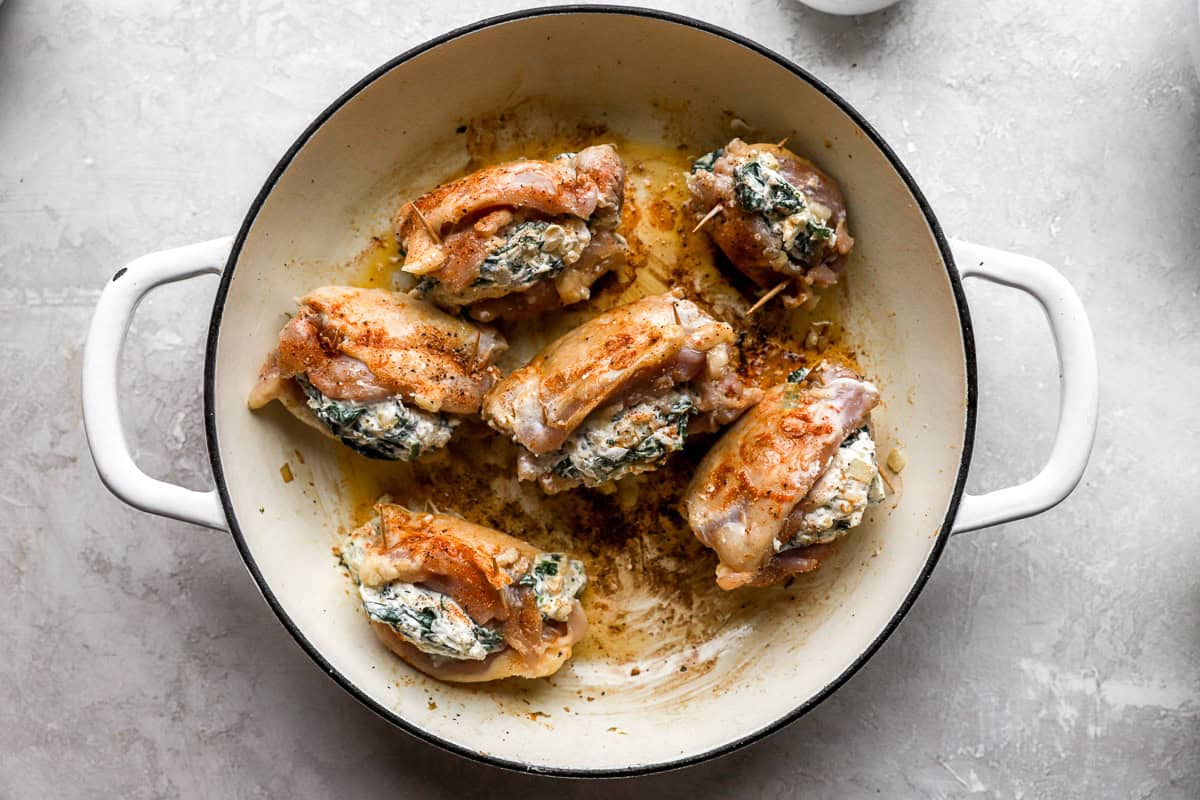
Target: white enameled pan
x=640, y=71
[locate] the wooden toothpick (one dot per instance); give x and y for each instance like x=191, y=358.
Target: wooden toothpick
x=784, y=140
x=717, y=209
x=428, y=228
x=762, y=301
x=883, y=473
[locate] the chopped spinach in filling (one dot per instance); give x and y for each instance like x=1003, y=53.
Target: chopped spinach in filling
x=842, y=493
x=556, y=581
x=386, y=430
x=429, y=621
x=436, y=624
x=352, y=553
x=614, y=443
x=532, y=251
x=759, y=186
x=708, y=161
x=797, y=375
x=425, y=286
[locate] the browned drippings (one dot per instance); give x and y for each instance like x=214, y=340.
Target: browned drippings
x=651, y=592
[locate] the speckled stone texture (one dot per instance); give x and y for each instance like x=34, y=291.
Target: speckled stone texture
x=1057, y=657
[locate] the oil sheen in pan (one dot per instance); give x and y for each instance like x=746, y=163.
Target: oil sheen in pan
x=658, y=620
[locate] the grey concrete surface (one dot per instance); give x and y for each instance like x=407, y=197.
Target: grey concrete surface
x=1057, y=657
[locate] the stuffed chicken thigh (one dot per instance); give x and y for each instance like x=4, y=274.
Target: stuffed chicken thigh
x=462, y=602
x=517, y=238
x=780, y=219
x=383, y=372
x=795, y=473
x=619, y=394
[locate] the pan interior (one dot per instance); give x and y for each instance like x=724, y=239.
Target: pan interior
x=667, y=650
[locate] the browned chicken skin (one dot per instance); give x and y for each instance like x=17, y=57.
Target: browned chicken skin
x=751, y=229
x=364, y=345
x=625, y=356
x=478, y=568
x=518, y=228
x=383, y=372
x=755, y=478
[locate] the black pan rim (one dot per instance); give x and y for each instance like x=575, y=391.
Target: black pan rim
x=944, y=530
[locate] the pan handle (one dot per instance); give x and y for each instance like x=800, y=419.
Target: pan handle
x=101, y=365
x=1079, y=387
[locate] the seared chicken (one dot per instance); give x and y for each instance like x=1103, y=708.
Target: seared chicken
x=383, y=372
x=620, y=393
x=795, y=473
x=517, y=238
x=780, y=220
x=462, y=602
